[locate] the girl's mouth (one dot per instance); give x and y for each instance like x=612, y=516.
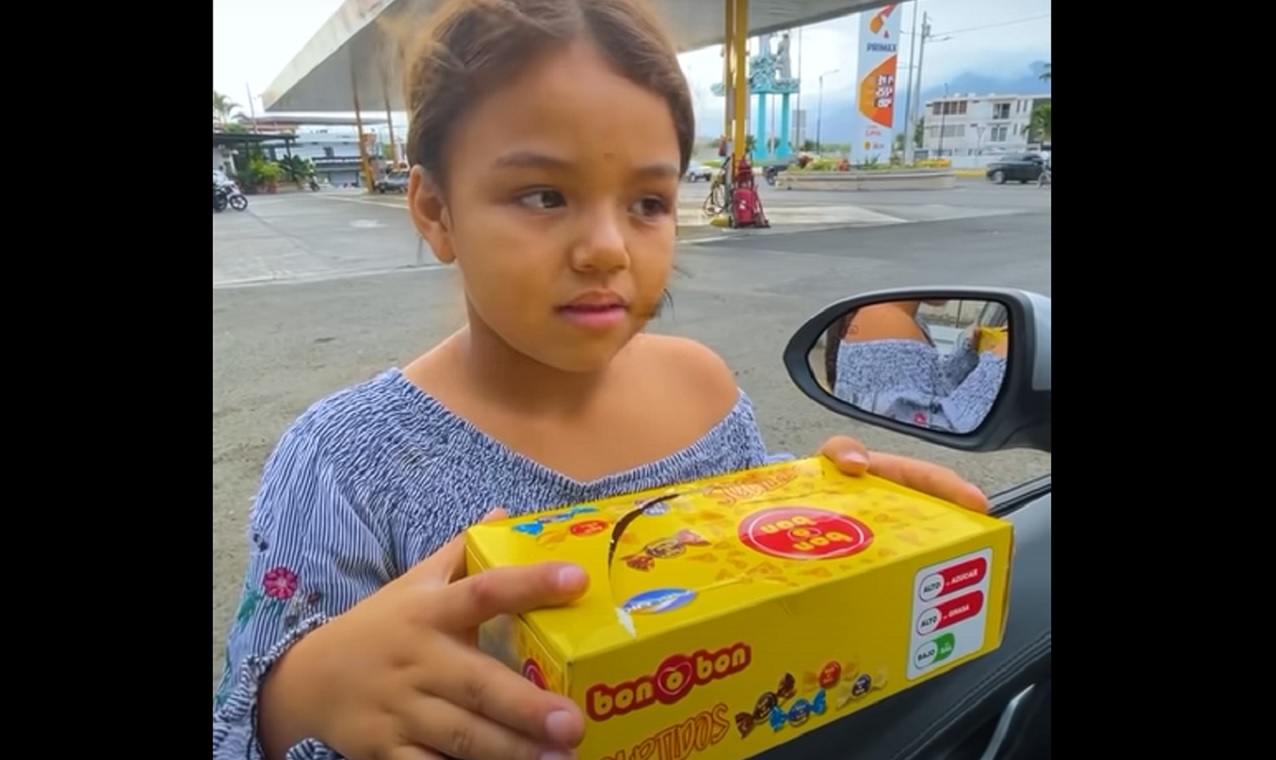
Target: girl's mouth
x=594, y=316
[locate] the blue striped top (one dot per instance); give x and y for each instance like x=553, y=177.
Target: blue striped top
x=373, y=479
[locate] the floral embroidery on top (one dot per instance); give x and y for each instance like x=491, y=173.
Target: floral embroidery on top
x=278, y=595
x=280, y=583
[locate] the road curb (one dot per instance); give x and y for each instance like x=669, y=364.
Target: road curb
x=769, y=231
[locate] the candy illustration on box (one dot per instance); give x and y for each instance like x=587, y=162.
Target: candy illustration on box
x=697, y=591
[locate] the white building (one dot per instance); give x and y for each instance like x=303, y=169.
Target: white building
x=332, y=142
x=979, y=125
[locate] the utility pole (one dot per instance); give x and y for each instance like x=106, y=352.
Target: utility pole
x=910, y=106
x=917, y=93
x=943, y=113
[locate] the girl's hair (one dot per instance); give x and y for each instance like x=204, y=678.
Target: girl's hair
x=832, y=342
x=470, y=46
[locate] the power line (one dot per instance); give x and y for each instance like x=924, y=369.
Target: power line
x=1037, y=17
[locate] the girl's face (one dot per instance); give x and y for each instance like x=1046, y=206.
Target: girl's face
x=559, y=210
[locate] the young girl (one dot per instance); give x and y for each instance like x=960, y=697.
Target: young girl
x=548, y=139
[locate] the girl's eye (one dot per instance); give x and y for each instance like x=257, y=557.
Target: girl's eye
x=542, y=200
x=649, y=206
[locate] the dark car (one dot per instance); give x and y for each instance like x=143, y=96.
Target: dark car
x=394, y=182
x=1016, y=167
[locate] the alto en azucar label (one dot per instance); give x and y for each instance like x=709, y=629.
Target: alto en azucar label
x=672, y=680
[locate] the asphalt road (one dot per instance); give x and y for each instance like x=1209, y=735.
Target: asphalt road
x=279, y=347
x=335, y=233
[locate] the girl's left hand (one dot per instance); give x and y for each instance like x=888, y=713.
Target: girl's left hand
x=854, y=458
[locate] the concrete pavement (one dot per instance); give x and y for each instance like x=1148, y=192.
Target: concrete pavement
x=278, y=348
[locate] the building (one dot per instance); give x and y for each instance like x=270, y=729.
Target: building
x=976, y=125
x=332, y=143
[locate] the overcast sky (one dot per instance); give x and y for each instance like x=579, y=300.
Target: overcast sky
x=254, y=39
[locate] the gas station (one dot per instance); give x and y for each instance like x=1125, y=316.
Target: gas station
x=354, y=62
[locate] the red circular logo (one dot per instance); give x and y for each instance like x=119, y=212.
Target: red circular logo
x=804, y=533
x=589, y=527
x=674, y=678
x=532, y=672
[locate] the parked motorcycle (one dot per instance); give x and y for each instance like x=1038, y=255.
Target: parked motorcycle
x=228, y=195
x=772, y=174
x=998, y=706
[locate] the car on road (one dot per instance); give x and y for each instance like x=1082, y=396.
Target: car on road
x=393, y=182
x=1016, y=167
x=702, y=173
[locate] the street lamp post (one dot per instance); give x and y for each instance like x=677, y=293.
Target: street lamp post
x=819, y=111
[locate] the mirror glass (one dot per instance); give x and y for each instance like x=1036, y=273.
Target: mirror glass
x=937, y=364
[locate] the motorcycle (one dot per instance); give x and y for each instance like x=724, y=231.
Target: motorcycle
x=1044, y=177
x=998, y=706
x=772, y=173
x=228, y=195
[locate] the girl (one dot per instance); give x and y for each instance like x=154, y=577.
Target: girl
x=547, y=140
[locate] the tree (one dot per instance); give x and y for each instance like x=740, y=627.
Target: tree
x=223, y=108
x=1045, y=74
x=1040, y=124
x=919, y=133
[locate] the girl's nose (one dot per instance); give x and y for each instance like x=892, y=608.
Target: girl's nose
x=601, y=247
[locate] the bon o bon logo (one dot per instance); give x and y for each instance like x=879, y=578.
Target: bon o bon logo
x=804, y=533
x=672, y=680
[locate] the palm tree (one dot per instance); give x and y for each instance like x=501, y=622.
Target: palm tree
x=1045, y=74
x=223, y=108
x=1040, y=124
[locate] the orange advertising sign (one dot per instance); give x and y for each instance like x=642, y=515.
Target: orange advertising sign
x=877, y=66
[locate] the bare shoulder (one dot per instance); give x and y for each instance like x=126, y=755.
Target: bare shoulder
x=692, y=373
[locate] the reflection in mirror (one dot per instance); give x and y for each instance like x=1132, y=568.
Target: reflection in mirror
x=934, y=364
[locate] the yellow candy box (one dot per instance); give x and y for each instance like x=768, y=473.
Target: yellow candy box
x=730, y=615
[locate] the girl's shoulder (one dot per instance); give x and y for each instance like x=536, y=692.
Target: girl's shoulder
x=367, y=433
x=692, y=375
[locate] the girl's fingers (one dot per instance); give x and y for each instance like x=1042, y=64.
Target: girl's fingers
x=482, y=686
x=413, y=753
x=510, y=590
x=450, y=730
x=929, y=478
x=850, y=456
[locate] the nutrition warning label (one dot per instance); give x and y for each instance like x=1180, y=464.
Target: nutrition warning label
x=950, y=612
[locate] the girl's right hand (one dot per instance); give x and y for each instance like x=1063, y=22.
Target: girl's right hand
x=398, y=676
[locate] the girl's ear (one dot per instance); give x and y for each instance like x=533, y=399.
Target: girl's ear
x=430, y=214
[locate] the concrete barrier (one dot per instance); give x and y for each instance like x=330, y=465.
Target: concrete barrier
x=903, y=179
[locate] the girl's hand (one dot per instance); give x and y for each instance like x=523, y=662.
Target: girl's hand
x=854, y=458
x=399, y=677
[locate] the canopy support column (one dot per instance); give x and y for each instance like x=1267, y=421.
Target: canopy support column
x=364, y=165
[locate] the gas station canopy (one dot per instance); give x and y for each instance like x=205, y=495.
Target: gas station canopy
x=356, y=53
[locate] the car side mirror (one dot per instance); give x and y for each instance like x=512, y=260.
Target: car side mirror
x=966, y=368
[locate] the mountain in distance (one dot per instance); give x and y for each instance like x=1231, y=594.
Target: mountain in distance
x=838, y=116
